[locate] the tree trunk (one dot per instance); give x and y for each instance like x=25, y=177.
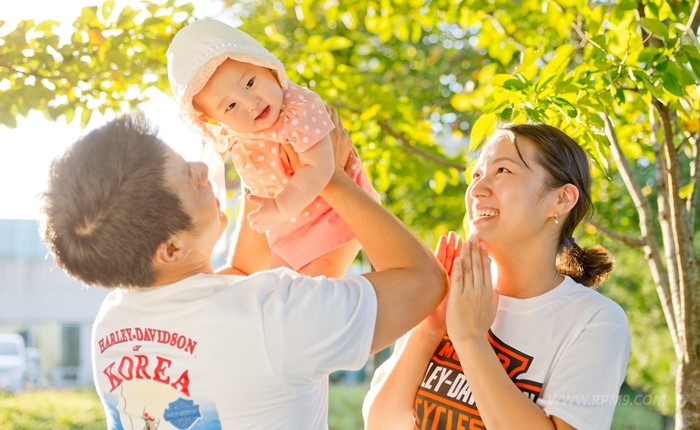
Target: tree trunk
x=688, y=394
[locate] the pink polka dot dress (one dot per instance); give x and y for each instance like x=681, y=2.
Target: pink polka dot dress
x=263, y=167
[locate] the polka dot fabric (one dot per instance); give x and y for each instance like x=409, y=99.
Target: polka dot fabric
x=263, y=166
x=259, y=157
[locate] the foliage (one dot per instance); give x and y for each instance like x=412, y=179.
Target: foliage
x=623, y=79
x=651, y=358
x=111, y=57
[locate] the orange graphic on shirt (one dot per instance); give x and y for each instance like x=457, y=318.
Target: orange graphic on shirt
x=444, y=399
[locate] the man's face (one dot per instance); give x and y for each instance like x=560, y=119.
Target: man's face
x=189, y=181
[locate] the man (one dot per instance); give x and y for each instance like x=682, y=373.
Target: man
x=176, y=345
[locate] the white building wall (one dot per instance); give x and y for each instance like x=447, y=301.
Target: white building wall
x=37, y=299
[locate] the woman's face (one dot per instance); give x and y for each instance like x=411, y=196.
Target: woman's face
x=507, y=200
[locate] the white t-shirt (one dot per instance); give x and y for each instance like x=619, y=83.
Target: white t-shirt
x=566, y=350
x=230, y=352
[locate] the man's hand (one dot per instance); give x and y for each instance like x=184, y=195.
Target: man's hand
x=342, y=145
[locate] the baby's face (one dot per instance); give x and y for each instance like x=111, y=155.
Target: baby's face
x=245, y=97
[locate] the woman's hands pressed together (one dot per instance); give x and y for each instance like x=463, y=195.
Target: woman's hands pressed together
x=448, y=248
x=472, y=300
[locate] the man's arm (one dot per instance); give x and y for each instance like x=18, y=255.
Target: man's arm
x=409, y=281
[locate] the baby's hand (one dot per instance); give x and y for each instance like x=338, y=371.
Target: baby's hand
x=266, y=215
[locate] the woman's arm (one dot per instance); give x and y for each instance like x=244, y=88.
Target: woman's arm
x=392, y=393
x=309, y=179
x=389, y=402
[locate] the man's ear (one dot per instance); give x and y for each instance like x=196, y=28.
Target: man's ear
x=170, y=252
x=567, y=197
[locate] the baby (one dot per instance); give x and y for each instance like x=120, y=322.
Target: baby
x=236, y=93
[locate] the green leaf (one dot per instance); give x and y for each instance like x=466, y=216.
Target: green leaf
x=439, y=181
x=684, y=76
x=626, y=5
x=685, y=190
x=514, y=85
x=401, y=30
x=534, y=114
x=370, y=112
x=653, y=7
x=107, y=8
x=695, y=65
x=619, y=95
x=556, y=67
x=655, y=27
x=461, y=101
x=335, y=43
x=569, y=108
x=85, y=117
x=648, y=54
x=506, y=114
x=601, y=40
x=671, y=84
x=483, y=126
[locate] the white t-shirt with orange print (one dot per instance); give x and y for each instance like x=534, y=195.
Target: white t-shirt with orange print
x=230, y=352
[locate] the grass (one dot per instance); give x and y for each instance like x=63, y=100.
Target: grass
x=81, y=409
x=345, y=406
x=51, y=410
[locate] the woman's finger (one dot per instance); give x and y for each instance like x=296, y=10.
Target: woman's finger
x=477, y=266
x=457, y=277
x=441, y=249
x=454, y=248
x=466, y=259
x=485, y=264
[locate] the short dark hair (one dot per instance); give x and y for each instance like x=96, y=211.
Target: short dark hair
x=565, y=162
x=107, y=206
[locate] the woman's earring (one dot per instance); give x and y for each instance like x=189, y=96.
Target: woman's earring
x=556, y=218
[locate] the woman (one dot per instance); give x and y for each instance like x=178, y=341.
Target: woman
x=535, y=347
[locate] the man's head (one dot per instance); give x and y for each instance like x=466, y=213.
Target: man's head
x=111, y=204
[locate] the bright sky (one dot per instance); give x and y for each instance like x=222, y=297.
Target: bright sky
x=26, y=151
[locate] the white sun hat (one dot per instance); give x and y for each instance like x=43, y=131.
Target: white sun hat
x=194, y=55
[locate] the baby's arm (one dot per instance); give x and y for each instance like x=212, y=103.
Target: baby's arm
x=304, y=186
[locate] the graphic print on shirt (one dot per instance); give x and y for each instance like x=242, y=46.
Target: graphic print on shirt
x=147, y=386
x=444, y=399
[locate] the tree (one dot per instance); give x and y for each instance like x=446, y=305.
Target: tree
x=624, y=80
x=419, y=84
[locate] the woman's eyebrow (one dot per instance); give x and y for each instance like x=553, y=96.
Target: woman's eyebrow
x=500, y=159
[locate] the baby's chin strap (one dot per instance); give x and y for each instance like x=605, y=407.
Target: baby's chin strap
x=217, y=172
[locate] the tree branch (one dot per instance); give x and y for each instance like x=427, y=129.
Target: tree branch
x=650, y=247
x=405, y=142
x=497, y=25
x=627, y=240
x=694, y=169
x=402, y=140
x=678, y=242
x=694, y=20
